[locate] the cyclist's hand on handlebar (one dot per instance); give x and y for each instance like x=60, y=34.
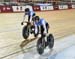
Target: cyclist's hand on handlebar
x=21, y=23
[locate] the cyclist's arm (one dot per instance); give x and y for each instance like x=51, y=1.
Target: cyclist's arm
x=24, y=17
x=30, y=18
x=44, y=26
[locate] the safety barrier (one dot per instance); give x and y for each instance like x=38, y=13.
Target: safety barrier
x=7, y=9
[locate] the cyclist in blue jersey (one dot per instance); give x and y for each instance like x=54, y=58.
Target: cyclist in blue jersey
x=30, y=14
x=42, y=24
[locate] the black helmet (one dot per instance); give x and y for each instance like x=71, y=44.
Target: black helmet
x=37, y=18
x=33, y=14
x=27, y=10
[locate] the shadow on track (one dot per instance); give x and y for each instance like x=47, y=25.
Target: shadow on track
x=25, y=42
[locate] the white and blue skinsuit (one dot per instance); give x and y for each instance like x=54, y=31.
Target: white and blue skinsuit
x=30, y=15
x=41, y=22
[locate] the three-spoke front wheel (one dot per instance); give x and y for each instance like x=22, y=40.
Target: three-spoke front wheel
x=25, y=32
x=40, y=45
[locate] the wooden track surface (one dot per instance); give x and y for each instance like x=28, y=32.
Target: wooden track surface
x=62, y=23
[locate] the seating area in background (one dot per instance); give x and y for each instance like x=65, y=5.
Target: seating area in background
x=33, y=2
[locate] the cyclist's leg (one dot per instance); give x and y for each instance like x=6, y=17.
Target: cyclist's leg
x=47, y=26
x=36, y=31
